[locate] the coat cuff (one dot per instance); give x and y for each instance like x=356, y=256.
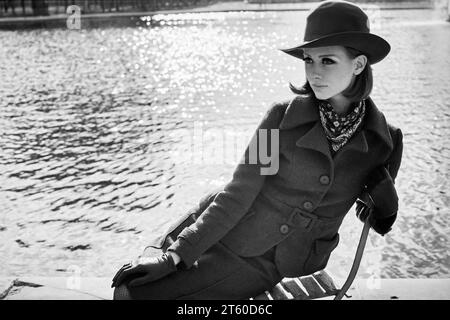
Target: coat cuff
x=186, y=252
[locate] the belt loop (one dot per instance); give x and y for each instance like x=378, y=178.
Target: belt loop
x=308, y=220
x=313, y=219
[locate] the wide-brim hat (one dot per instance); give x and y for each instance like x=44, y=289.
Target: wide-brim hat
x=341, y=23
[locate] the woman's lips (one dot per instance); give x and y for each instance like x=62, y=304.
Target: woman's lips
x=318, y=86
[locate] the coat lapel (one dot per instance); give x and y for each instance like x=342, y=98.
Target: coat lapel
x=315, y=139
x=357, y=143
x=303, y=110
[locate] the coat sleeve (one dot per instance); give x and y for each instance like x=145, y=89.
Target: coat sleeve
x=395, y=159
x=382, y=190
x=232, y=203
x=392, y=164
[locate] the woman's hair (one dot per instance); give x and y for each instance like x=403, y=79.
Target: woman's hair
x=359, y=90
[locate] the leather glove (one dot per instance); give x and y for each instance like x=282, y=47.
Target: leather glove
x=381, y=225
x=145, y=270
x=381, y=201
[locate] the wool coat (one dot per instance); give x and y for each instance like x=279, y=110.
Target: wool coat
x=299, y=209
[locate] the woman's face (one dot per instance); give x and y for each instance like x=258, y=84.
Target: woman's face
x=330, y=70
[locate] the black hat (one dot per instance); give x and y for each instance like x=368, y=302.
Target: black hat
x=341, y=23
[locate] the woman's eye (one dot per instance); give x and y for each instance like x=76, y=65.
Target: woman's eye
x=324, y=60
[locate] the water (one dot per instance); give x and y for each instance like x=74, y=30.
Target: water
x=99, y=135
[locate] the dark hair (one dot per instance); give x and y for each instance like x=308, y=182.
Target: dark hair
x=359, y=90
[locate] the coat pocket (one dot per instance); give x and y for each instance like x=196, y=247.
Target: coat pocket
x=320, y=254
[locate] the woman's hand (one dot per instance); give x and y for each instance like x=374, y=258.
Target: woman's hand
x=366, y=210
x=150, y=269
x=382, y=202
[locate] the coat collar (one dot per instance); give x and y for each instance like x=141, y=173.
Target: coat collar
x=303, y=109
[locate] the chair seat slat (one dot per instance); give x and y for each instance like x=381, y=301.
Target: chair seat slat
x=294, y=289
x=278, y=293
x=313, y=288
x=326, y=282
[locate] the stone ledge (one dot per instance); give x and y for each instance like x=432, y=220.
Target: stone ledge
x=67, y=288
x=400, y=289
x=57, y=288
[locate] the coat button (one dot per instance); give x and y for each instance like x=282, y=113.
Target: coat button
x=284, y=228
x=324, y=179
x=308, y=205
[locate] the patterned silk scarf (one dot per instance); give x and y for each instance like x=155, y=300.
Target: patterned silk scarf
x=339, y=129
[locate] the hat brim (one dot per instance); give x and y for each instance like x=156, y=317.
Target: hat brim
x=373, y=46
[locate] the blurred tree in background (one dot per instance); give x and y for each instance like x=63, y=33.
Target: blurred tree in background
x=46, y=7
x=49, y=7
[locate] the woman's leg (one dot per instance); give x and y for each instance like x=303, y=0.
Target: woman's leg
x=218, y=274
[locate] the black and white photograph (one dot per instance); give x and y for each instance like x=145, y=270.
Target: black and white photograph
x=224, y=150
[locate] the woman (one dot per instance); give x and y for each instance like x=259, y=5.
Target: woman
x=260, y=228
